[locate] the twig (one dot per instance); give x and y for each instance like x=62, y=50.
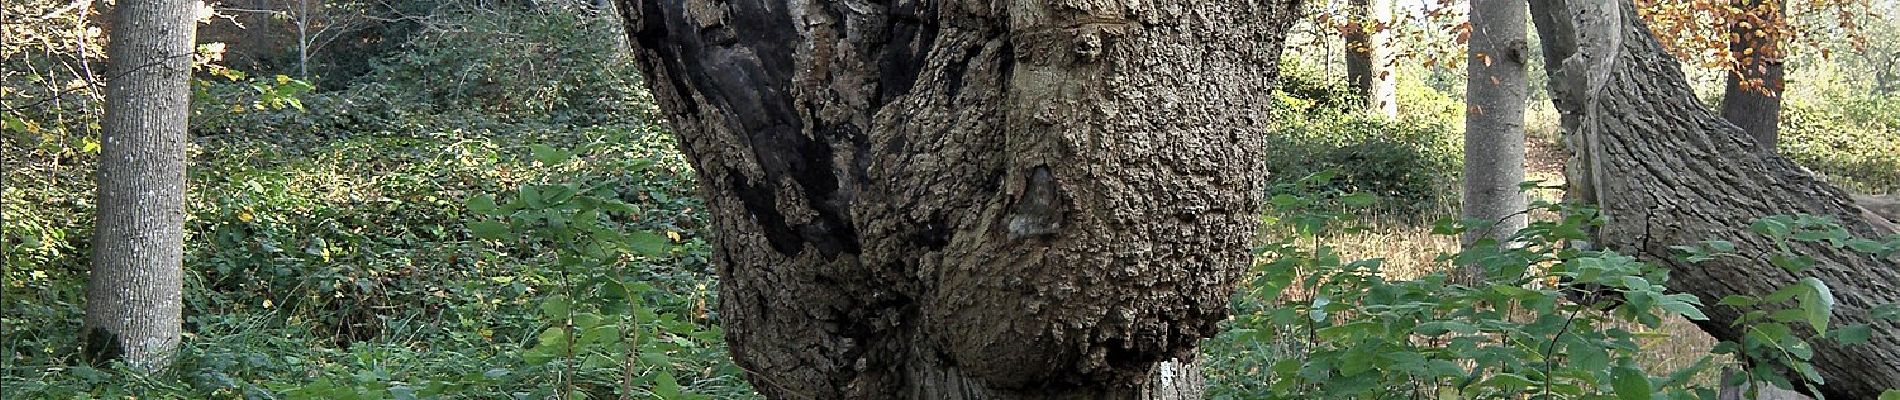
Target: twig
x=76, y=4
x=90, y=83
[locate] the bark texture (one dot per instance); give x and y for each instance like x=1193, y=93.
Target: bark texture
x=1756, y=108
x=132, y=295
x=1494, y=120
x=1369, y=56
x=1030, y=199
x=1666, y=171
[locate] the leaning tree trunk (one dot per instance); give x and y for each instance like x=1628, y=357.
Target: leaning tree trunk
x=1752, y=98
x=959, y=200
x=132, y=296
x=1494, y=121
x=1666, y=171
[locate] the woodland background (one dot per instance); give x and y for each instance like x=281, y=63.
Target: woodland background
x=347, y=157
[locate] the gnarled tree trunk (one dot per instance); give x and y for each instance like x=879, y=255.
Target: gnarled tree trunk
x=1666, y=171
x=1035, y=199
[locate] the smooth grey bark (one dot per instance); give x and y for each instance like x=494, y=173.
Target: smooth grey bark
x=1494, y=120
x=1369, y=56
x=1756, y=110
x=970, y=200
x=1666, y=171
x=132, y=294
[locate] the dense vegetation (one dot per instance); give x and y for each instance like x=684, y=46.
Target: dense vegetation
x=493, y=209
x=331, y=254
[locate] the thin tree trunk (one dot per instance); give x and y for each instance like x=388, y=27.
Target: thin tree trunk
x=962, y=200
x=132, y=296
x=1666, y=171
x=1369, y=56
x=1756, y=107
x=1494, y=121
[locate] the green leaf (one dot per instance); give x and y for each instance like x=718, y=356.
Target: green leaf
x=483, y=204
x=1630, y=383
x=549, y=155
x=531, y=195
x=1791, y=263
x=1447, y=226
x=552, y=338
x=1721, y=246
x=1770, y=226
x=1589, y=357
x=555, y=307
x=1890, y=394
x=1360, y=199
x=1440, y=368
x=1799, y=349
x=1817, y=303
x=666, y=386
x=1737, y=301
x=1636, y=283
x=1866, y=246
x=1284, y=200
x=1442, y=326
x=1509, y=382
x=1676, y=304
x=13, y=123
x=1890, y=312
x=557, y=194
x=1356, y=362
x=647, y=243
x=1807, y=371
x=492, y=230
x=1853, y=334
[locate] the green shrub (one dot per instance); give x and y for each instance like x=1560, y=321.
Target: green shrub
x=1853, y=139
x=328, y=255
x=1412, y=163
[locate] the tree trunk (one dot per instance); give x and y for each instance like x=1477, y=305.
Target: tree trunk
x=1756, y=106
x=1763, y=392
x=1666, y=171
x=1369, y=56
x=961, y=200
x=1494, y=120
x=132, y=296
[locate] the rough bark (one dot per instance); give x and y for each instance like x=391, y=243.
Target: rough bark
x=1369, y=56
x=1756, y=108
x=1666, y=171
x=961, y=200
x=1885, y=206
x=1494, y=120
x=132, y=296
